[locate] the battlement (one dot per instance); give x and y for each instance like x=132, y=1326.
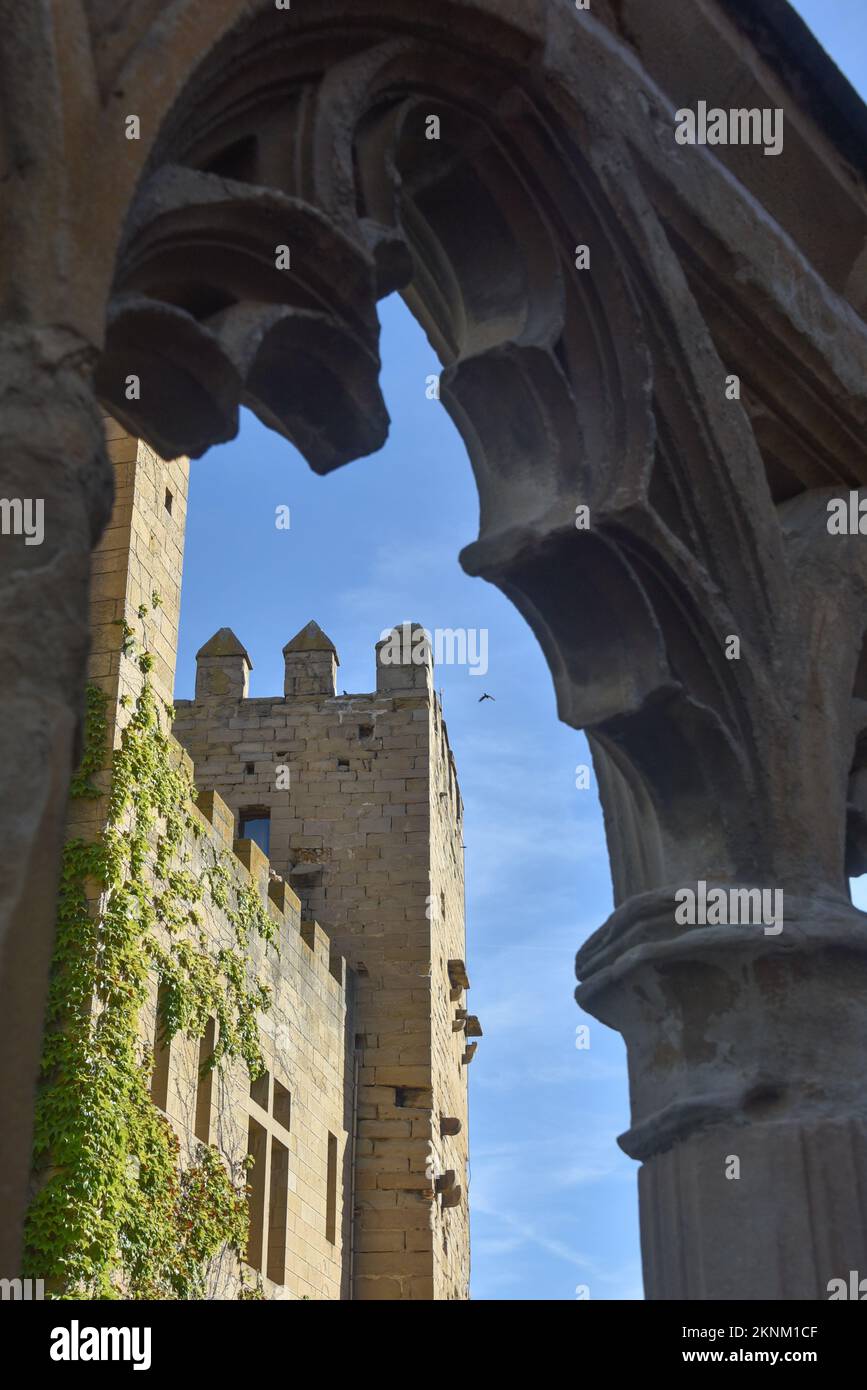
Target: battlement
x=404, y=680
x=356, y=797
x=342, y=811
x=404, y=663
x=295, y=1118
x=282, y=902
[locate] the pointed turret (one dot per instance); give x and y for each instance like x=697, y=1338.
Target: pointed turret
x=311, y=663
x=223, y=668
x=404, y=660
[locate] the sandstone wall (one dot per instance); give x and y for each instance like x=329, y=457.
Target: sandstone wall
x=365, y=820
x=292, y=1116
x=304, y=1235
x=375, y=853
x=452, y=1047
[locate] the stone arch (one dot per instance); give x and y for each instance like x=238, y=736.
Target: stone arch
x=603, y=389
x=312, y=133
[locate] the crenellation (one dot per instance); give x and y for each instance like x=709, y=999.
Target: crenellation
x=306, y=1052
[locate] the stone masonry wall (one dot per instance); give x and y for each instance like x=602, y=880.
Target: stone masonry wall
x=141, y=553
x=373, y=858
x=368, y=829
x=299, y=1228
x=452, y=1048
x=303, y=1109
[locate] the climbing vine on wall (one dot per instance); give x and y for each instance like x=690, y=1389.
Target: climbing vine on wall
x=116, y=1213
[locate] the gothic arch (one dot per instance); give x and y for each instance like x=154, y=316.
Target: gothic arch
x=311, y=133
x=308, y=129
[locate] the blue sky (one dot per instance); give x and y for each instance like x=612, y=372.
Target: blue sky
x=553, y=1199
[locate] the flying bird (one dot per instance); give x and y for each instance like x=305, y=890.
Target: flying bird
x=486, y=697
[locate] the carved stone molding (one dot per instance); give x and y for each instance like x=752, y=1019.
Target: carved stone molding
x=308, y=131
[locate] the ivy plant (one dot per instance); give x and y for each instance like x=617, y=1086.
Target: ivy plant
x=116, y=1213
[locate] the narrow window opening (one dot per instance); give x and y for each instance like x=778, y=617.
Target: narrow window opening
x=331, y=1191
x=162, y=1053
x=282, y=1104
x=169, y=500
x=204, y=1088
x=257, y=1148
x=255, y=824
x=260, y=1089
x=278, y=1202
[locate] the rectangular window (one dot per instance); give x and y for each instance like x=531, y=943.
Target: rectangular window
x=256, y=825
x=257, y=1148
x=282, y=1104
x=260, y=1089
x=205, y=1082
x=331, y=1191
x=277, y=1211
x=162, y=1054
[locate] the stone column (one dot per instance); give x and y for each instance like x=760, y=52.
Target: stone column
x=55, y=494
x=746, y=1081
x=735, y=965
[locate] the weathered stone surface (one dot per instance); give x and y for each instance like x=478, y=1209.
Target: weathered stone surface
x=303, y=1104
x=52, y=455
x=388, y=886
x=222, y=668
x=311, y=663
x=602, y=388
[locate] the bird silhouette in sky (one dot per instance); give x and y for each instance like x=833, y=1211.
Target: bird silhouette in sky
x=486, y=697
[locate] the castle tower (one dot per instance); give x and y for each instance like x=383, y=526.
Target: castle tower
x=354, y=799
x=296, y=1119
x=136, y=566
x=358, y=796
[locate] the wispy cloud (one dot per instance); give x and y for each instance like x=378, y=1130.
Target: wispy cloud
x=621, y=1282
x=501, y=1082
